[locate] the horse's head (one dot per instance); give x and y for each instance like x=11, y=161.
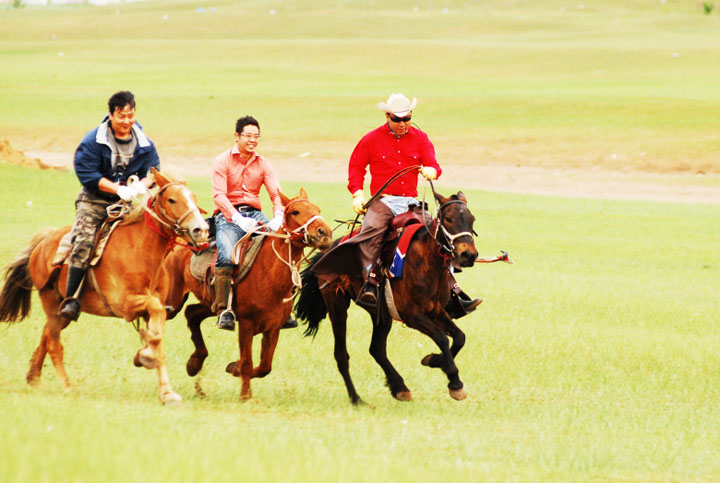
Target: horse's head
x=304, y=223
x=177, y=208
x=455, y=228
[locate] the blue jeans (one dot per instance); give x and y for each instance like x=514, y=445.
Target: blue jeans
x=228, y=233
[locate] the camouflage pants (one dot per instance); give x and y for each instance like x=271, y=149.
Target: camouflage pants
x=90, y=213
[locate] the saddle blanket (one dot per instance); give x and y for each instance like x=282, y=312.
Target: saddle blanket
x=396, y=268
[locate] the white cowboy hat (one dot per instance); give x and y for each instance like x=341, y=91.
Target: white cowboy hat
x=398, y=105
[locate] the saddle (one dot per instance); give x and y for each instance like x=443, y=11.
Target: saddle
x=103, y=235
x=202, y=264
x=342, y=259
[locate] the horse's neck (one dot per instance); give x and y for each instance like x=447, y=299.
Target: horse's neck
x=143, y=239
x=270, y=261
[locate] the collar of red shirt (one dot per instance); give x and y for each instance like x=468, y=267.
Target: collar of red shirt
x=235, y=150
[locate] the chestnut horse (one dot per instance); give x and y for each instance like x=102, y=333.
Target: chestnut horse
x=262, y=300
x=129, y=276
x=420, y=296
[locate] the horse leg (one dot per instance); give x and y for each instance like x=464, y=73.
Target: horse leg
x=153, y=354
x=378, y=349
x=195, y=314
x=427, y=327
x=243, y=367
x=49, y=342
x=458, y=337
x=337, y=305
x=269, y=343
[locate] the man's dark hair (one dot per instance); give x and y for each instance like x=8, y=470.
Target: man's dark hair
x=121, y=99
x=245, y=121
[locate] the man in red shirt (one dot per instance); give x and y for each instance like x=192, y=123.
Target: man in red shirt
x=386, y=151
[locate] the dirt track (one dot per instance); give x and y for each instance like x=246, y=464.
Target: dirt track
x=585, y=183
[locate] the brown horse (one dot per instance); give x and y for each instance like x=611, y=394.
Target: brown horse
x=130, y=278
x=262, y=301
x=420, y=297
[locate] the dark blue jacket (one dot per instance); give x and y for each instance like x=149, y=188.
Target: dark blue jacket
x=93, y=160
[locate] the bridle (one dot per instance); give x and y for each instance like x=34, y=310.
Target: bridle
x=449, y=238
x=299, y=234
x=152, y=208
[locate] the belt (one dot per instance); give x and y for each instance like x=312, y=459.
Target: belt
x=245, y=208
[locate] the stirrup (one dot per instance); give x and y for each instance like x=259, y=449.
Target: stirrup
x=368, y=296
x=226, y=320
x=69, y=309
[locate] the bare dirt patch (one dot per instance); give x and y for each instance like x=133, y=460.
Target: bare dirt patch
x=13, y=156
x=553, y=181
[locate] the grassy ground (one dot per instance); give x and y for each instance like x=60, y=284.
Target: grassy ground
x=611, y=84
x=594, y=357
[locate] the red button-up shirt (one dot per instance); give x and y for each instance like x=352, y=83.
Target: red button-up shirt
x=236, y=182
x=386, y=155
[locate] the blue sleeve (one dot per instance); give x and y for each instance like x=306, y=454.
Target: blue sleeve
x=88, y=162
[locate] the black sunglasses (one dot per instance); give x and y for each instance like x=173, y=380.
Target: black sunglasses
x=400, y=119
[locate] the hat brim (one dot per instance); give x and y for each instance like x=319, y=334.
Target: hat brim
x=402, y=113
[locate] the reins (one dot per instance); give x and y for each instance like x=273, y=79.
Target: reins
x=379, y=192
x=299, y=234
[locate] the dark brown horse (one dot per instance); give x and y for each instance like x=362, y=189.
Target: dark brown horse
x=420, y=297
x=262, y=300
x=131, y=281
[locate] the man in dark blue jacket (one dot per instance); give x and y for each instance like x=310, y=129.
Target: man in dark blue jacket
x=105, y=159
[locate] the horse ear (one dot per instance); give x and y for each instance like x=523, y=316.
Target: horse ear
x=461, y=196
x=440, y=199
x=303, y=194
x=285, y=200
x=159, y=178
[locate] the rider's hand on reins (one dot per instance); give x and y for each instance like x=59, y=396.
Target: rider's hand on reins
x=358, y=202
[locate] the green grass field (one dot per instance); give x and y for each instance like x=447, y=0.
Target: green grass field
x=613, y=84
x=596, y=357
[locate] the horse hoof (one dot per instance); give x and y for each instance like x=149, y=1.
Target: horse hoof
x=458, y=394
x=404, y=396
x=33, y=381
x=171, y=398
x=145, y=358
x=193, y=366
x=230, y=369
x=426, y=360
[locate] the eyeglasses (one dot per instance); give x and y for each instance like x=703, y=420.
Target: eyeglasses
x=400, y=119
x=247, y=135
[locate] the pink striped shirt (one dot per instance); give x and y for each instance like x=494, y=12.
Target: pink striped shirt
x=236, y=182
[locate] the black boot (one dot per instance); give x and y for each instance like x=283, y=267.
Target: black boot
x=290, y=323
x=460, y=304
x=223, y=285
x=70, y=306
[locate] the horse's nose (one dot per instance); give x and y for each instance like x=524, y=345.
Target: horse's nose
x=200, y=233
x=467, y=258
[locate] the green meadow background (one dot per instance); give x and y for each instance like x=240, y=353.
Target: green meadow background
x=596, y=357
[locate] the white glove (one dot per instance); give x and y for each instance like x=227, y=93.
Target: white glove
x=140, y=189
x=428, y=172
x=244, y=222
x=275, y=223
x=358, y=202
x=126, y=193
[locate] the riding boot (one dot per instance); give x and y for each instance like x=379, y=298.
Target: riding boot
x=290, y=323
x=223, y=285
x=368, y=292
x=70, y=306
x=460, y=303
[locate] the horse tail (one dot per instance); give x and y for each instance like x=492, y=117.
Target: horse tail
x=310, y=305
x=15, y=294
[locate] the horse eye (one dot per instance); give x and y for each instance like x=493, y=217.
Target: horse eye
x=449, y=219
x=295, y=213
x=171, y=201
